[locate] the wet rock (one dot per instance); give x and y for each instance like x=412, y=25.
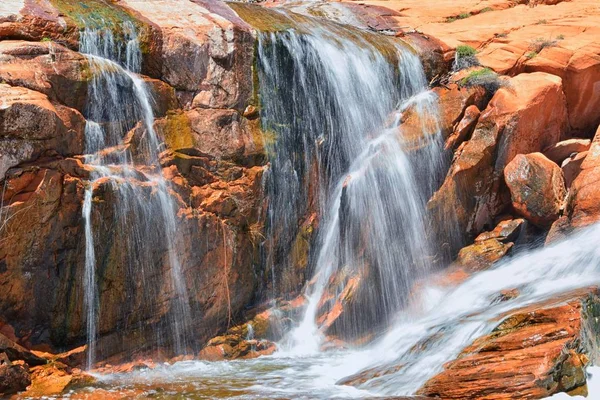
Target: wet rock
x=482, y=254
x=56, y=378
x=563, y=150
x=205, y=50
x=507, y=294
x=506, y=231
x=15, y=352
x=537, y=188
x=533, y=353
x=13, y=378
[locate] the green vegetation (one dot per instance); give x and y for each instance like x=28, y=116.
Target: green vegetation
x=541, y=22
x=560, y=37
x=46, y=39
x=459, y=16
x=465, y=51
x=531, y=54
x=485, y=78
x=487, y=9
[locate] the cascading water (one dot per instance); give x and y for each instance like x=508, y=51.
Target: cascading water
x=337, y=111
x=332, y=98
x=117, y=100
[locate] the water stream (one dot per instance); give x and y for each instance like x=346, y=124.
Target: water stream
x=118, y=99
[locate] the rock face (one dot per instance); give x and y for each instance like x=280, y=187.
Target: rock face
x=13, y=378
x=533, y=353
x=537, y=188
x=199, y=58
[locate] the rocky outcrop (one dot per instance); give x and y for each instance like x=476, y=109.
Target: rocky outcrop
x=528, y=114
x=13, y=378
x=533, y=353
x=537, y=188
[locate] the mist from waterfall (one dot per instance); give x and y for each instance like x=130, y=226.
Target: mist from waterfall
x=117, y=100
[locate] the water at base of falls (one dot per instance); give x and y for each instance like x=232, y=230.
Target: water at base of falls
x=457, y=314
x=117, y=100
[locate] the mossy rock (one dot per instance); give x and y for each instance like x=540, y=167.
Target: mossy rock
x=98, y=14
x=177, y=131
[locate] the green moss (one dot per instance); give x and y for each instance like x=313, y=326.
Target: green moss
x=98, y=14
x=487, y=9
x=177, y=131
x=46, y=39
x=459, y=16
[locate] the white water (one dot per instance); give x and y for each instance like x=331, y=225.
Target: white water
x=110, y=113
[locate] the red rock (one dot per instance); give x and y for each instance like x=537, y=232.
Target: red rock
x=464, y=128
x=571, y=167
x=563, y=150
x=537, y=188
x=13, y=378
x=506, y=231
x=482, y=255
x=30, y=125
x=533, y=353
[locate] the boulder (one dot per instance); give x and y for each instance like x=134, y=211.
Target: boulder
x=533, y=352
x=506, y=231
x=30, y=125
x=571, y=167
x=15, y=352
x=482, y=255
x=13, y=378
x=528, y=114
x=206, y=50
x=537, y=188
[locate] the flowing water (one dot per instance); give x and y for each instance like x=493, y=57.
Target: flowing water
x=332, y=100
x=447, y=318
x=117, y=100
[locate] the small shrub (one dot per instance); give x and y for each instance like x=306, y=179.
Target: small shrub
x=450, y=19
x=465, y=51
x=540, y=44
x=46, y=39
x=560, y=37
x=485, y=78
x=541, y=22
x=465, y=57
x=487, y=9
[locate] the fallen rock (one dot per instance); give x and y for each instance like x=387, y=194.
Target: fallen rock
x=533, y=353
x=55, y=378
x=482, y=255
x=506, y=231
x=15, y=352
x=537, y=188
x=13, y=378
x=563, y=150
x=464, y=128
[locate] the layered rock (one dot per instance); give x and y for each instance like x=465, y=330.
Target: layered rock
x=533, y=353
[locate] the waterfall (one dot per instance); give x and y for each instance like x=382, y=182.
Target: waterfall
x=332, y=102
x=117, y=100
